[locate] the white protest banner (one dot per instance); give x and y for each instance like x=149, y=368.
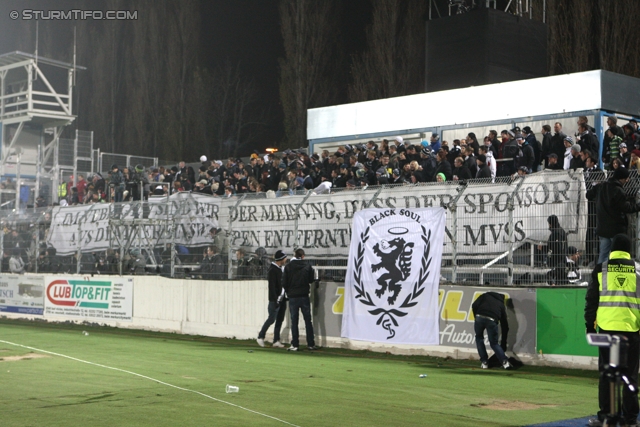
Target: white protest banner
x=393, y=273
x=22, y=294
x=195, y=215
x=106, y=298
x=321, y=225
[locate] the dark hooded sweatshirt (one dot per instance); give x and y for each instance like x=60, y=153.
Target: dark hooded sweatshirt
x=612, y=208
x=491, y=304
x=557, y=244
x=297, y=277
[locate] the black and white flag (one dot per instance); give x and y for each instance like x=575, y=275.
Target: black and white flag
x=391, y=289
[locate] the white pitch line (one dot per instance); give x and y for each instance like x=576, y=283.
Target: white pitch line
x=149, y=378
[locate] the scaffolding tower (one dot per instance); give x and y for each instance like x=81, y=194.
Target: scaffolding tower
x=36, y=97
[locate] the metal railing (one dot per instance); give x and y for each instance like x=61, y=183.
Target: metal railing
x=496, y=233
x=103, y=161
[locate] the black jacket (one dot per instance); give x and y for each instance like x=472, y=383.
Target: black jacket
x=244, y=268
x=576, y=163
x=612, y=208
x=557, y=243
x=537, y=148
x=429, y=168
x=483, y=172
x=445, y=168
x=557, y=144
x=275, y=175
x=274, y=276
x=546, y=147
x=555, y=167
x=340, y=182
x=453, y=153
x=297, y=277
x=491, y=304
x=528, y=156
x=470, y=162
x=589, y=141
x=476, y=147
x=462, y=173
x=218, y=269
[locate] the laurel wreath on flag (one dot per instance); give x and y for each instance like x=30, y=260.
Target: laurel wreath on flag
x=388, y=318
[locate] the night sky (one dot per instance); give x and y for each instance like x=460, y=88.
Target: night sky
x=248, y=31
x=244, y=31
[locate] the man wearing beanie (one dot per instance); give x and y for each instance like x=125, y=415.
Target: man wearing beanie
x=612, y=302
x=526, y=155
x=576, y=161
x=277, y=303
x=483, y=169
x=612, y=208
x=568, y=143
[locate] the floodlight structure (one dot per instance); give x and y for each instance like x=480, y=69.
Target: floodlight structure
x=36, y=96
x=520, y=8
x=461, y=6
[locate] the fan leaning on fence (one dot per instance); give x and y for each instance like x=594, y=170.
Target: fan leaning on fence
x=556, y=249
x=612, y=207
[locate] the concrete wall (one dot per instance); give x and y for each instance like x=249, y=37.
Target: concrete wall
x=237, y=309
x=219, y=309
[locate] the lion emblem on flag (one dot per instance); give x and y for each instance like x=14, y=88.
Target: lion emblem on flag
x=395, y=258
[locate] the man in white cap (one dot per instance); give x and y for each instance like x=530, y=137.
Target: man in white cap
x=277, y=303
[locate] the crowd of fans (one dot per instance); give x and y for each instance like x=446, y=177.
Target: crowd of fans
x=511, y=152
x=25, y=250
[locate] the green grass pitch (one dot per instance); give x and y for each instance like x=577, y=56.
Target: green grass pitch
x=329, y=387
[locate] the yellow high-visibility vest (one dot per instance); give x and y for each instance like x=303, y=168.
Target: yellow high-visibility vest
x=62, y=190
x=619, y=304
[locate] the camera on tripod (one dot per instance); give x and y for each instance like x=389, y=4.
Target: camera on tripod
x=618, y=348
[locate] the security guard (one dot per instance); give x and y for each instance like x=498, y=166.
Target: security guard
x=62, y=190
x=613, y=305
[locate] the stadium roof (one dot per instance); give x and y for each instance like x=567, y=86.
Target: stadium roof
x=590, y=90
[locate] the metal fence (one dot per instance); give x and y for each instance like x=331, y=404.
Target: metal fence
x=497, y=232
x=104, y=161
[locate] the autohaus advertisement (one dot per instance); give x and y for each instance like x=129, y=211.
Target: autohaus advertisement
x=22, y=294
